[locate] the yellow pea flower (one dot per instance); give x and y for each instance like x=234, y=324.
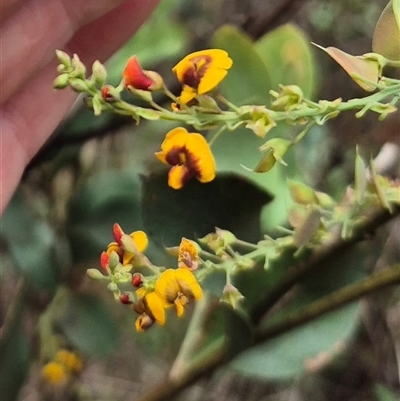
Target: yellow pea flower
x=70, y=360
x=201, y=71
x=188, y=255
x=150, y=308
x=54, y=373
x=189, y=155
x=178, y=288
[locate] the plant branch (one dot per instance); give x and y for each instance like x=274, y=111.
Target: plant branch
x=338, y=246
x=331, y=302
x=168, y=388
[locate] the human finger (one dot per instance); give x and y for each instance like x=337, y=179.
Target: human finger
x=29, y=116
x=37, y=27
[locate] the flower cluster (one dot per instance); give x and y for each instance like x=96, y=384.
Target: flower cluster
x=174, y=287
x=64, y=365
x=153, y=289
x=199, y=73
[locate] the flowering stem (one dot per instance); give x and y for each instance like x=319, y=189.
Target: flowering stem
x=187, y=115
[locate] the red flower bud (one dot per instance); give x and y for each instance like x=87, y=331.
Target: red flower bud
x=140, y=79
x=104, y=258
x=124, y=298
x=118, y=233
x=137, y=280
x=105, y=94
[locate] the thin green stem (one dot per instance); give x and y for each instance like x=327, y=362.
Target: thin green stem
x=227, y=103
x=209, y=256
x=303, y=133
x=246, y=245
x=216, y=135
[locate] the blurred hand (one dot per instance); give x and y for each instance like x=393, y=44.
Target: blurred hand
x=31, y=31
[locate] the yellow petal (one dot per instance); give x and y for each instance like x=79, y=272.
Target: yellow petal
x=179, y=308
x=187, y=94
x=188, y=284
x=166, y=286
x=141, y=292
x=140, y=240
x=176, y=138
x=127, y=258
x=177, y=176
x=155, y=306
x=200, y=150
x=221, y=56
x=211, y=79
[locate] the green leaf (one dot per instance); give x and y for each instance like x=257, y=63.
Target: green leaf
x=88, y=325
x=14, y=363
x=287, y=53
x=386, y=38
x=240, y=148
x=32, y=244
x=105, y=199
x=248, y=80
x=196, y=209
x=360, y=176
x=284, y=357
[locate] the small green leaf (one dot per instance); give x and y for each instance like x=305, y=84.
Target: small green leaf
x=376, y=179
x=386, y=38
x=360, y=178
x=287, y=53
x=308, y=227
x=301, y=193
x=266, y=163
